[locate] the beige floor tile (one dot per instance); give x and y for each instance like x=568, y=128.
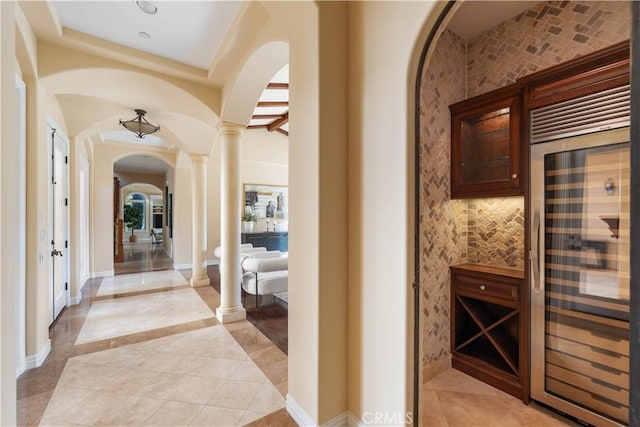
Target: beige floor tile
x=133, y=410
x=174, y=414
x=124, y=316
x=218, y=417
x=63, y=399
x=87, y=411
x=248, y=371
x=235, y=394
x=197, y=389
x=218, y=368
x=267, y=399
x=126, y=283
x=162, y=385
x=454, y=380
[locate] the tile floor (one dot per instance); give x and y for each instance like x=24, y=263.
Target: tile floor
x=142, y=256
x=186, y=371
x=197, y=372
x=454, y=399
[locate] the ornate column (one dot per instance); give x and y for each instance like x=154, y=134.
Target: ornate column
x=199, y=220
x=230, y=309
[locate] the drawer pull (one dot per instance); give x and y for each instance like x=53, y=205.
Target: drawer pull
x=483, y=287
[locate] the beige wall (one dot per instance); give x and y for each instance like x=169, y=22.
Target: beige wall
x=147, y=178
x=385, y=43
x=9, y=259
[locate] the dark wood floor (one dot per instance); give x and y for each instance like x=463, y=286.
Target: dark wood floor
x=272, y=317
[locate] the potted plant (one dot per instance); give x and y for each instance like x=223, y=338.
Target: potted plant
x=248, y=219
x=133, y=219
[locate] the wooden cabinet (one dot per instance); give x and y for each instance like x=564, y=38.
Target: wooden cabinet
x=485, y=146
x=272, y=240
x=489, y=328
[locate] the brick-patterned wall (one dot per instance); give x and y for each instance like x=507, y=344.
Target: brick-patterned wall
x=546, y=35
x=543, y=36
x=442, y=237
x=495, y=228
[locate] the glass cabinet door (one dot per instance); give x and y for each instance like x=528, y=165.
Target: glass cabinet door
x=485, y=152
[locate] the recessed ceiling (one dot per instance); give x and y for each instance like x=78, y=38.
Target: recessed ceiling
x=141, y=164
x=190, y=32
x=474, y=17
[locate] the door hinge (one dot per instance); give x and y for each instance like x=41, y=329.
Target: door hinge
x=66, y=286
x=66, y=201
x=66, y=244
x=66, y=160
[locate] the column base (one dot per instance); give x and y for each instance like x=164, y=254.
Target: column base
x=197, y=282
x=230, y=316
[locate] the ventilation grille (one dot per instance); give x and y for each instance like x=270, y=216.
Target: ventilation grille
x=604, y=110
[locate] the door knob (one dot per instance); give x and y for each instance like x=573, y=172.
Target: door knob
x=55, y=252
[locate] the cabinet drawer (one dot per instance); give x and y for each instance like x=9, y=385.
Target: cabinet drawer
x=483, y=288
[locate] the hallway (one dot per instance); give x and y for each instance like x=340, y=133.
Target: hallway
x=146, y=349
x=142, y=256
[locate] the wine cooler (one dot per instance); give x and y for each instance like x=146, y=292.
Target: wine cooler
x=579, y=253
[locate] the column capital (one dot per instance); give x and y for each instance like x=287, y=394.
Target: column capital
x=231, y=128
x=197, y=157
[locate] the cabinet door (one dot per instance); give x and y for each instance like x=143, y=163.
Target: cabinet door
x=485, y=154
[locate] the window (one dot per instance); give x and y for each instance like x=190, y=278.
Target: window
x=138, y=199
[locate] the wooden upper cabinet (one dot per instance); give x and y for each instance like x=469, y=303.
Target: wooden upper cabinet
x=485, y=146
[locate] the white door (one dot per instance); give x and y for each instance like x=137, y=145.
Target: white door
x=59, y=221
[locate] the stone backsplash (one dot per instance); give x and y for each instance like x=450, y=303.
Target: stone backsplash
x=495, y=228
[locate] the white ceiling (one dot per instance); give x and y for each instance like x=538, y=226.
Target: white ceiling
x=186, y=31
x=141, y=164
x=476, y=16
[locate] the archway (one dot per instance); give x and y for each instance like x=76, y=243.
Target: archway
x=444, y=225
x=142, y=213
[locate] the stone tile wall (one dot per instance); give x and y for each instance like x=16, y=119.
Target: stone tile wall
x=495, y=230
x=442, y=235
x=546, y=35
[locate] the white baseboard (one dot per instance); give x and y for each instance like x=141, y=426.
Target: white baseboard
x=35, y=360
x=298, y=414
x=182, y=266
x=341, y=420
x=213, y=261
x=22, y=366
x=75, y=300
x=353, y=421
x=98, y=274
x=301, y=417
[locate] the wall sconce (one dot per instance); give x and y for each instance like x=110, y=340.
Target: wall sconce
x=609, y=187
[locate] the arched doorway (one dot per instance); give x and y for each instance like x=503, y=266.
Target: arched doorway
x=457, y=231
x=143, y=214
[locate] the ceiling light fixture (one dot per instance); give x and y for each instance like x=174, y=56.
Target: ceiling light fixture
x=144, y=35
x=139, y=125
x=147, y=7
